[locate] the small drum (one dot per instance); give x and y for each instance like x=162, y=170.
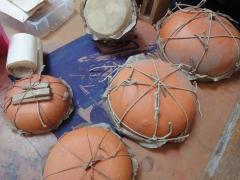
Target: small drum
x=109, y=19
x=204, y=42
x=89, y=153
x=38, y=104
x=151, y=102
x=153, y=10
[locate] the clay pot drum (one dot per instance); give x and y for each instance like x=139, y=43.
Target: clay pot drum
x=205, y=42
x=151, y=102
x=109, y=19
x=38, y=104
x=89, y=153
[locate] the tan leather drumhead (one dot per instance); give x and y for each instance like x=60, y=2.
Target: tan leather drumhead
x=89, y=153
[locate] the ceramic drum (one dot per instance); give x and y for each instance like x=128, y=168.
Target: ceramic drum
x=109, y=19
x=89, y=153
x=38, y=104
x=205, y=42
x=151, y=102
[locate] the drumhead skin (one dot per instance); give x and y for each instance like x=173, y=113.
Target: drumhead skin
x=39, y=116
x=205, y=41
x=107, y=16
x=89, y=153
x=109, y=19
x=151, y=101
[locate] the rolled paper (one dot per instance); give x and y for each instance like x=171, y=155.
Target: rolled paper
x=3, y=42
x=25, y=56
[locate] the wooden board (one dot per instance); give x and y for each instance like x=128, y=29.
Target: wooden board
x=153, y=10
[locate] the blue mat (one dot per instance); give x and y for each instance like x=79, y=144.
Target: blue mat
x=72, y=63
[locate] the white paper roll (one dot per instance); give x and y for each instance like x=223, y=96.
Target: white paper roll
x=25, y=55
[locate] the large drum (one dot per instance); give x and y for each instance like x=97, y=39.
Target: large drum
x=38, y=104
x=151, y=102
x=205, y=42
x=109, y=19
x=90, y=153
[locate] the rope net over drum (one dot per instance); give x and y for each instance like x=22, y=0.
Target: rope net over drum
x=28, y=88
x=159, y=86
x=89, y=166
x=203, y=38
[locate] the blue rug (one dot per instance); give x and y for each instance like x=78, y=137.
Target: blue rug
x=72, y=63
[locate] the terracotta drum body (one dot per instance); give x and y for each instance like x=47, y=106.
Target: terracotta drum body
x=89, y=153
x=203, y=41
x=152, y=102
x=38, y=104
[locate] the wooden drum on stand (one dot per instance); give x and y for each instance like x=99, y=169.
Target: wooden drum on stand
x=109, y=19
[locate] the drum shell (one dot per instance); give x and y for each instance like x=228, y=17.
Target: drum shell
x=79, y=142
x=140, y=119
x=217, y=38
x=25, y=117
